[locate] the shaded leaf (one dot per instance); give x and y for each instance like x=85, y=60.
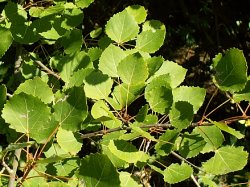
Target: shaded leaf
x=153, y=64
x=72, y=41
x=6, y=40
x=72, y=109
x=231, y=70
x=243, y=95
x=122, y=27
x=226, y=159
x=97, y=170
x=181, y=114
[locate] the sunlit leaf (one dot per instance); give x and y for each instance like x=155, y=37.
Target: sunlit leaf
x=226, y=159
x=138, y=12
x=83, y=3
x=122, y=27
x=127, y=180
x=176, y=173
x=6, y=40
x=37, y=88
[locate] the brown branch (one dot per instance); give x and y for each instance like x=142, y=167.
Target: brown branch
x=157, y=125
x=45, y=68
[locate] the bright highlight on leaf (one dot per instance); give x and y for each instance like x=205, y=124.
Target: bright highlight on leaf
x=6, y=40
x=226, y=159
x=138, y=12
x=122, y=27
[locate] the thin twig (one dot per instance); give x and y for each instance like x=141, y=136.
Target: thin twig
x=183, y=159
x=47, y=69
x=15, y=166
x=195, y=181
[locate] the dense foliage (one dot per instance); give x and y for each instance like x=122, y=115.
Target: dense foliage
x=107, y=109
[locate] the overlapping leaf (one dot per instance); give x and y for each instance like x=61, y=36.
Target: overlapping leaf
x=6, y=40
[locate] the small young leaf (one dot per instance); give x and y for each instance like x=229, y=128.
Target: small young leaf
x=28, y=114
x=226, y=159
x=128, y=69
x=152, y=37
x=127, y=151
x=122, y=27
x=97, y=170
x=68, y=142
x=37, y=88
x=193, y=95
x=138, y=12
x=6, y=40
x=127, y=180
x=71, y=110
x=228, y=129
x=96, y=32
x=231, y=70
x=181, y=114
x=141, y=115
x=176, y=173
x=110, y=59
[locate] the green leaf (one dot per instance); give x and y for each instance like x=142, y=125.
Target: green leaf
x=228, y=129
x=122, y=27
x=243, y=94
x=191, y=145
x=14, y=146
x=24, y=32
x=6, y=40
x=94, y=53
x=83, y=3
x=193, y=95
x=124, y=94
x=72, y=41
x=28, y=114
x=37, y=88
x=67, y=167
x=68, y=141
x=110, y=59
x=128, y=69
x=212, y=135
x=15, y=13
x=97, y=85
x=181, y=114
x=159, y=94
x=166, y=142
x=97, y=170
x=3, y=95
x=136, y=128
x=96, y=32
x=138, y=12
x=176, y=173
x=141, y=115
x=226, y=159
x=127, y=180
x=231, y=70
x=175, y=71
x=52, y=10
x=153, y=64
x=72, y=109
x=152, y=37
x=72, y=18
x=36, y=11
x=127, y=151
x=70, y=63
